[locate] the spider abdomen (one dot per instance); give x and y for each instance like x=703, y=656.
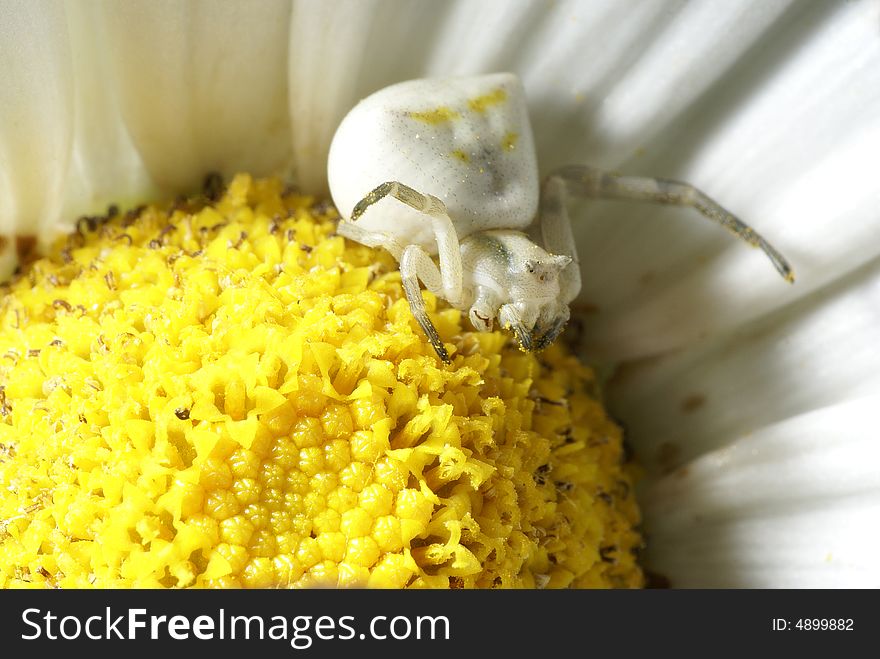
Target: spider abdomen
x=471, y=147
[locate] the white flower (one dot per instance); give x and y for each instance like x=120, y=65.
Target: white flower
x=754, y=405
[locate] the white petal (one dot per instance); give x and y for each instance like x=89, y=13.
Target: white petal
x=648, y=63
x=818, y=352
x=36, y=116
x=106, y=166
x=202, y=86
x=794, y=505
x=344, y=50
x=327, y=43
x=787, y=139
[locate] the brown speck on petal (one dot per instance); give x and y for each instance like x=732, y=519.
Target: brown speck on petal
x=693, y=403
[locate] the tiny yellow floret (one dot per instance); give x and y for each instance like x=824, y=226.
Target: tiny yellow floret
x=228, y=394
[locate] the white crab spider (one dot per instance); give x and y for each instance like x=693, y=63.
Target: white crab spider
x=447, y=167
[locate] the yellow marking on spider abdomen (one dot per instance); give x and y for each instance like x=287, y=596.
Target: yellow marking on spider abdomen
x=482, y=103
x=458, y=154
x=508, y=142
x=436, y=116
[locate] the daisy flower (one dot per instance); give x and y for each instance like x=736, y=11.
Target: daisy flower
x=751, y=404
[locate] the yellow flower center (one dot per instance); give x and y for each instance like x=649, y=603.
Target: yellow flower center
x=228, y=394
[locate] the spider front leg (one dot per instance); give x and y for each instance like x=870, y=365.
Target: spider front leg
x=448, y=248
x=415, y=263
x=371, y=238
x=557, y=236
x=592, y=182
x=484, y=309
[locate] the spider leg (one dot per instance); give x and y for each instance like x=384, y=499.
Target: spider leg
x=484, y=309
x=510, y=319
x=415, y=265
x=448, y=248
x=592, y=182
x=557, y=236
x=555, y=329
x=371, y=238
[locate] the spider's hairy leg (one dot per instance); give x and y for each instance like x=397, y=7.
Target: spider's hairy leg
x=592, y=182
x=415, y=265
x=448, y=248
